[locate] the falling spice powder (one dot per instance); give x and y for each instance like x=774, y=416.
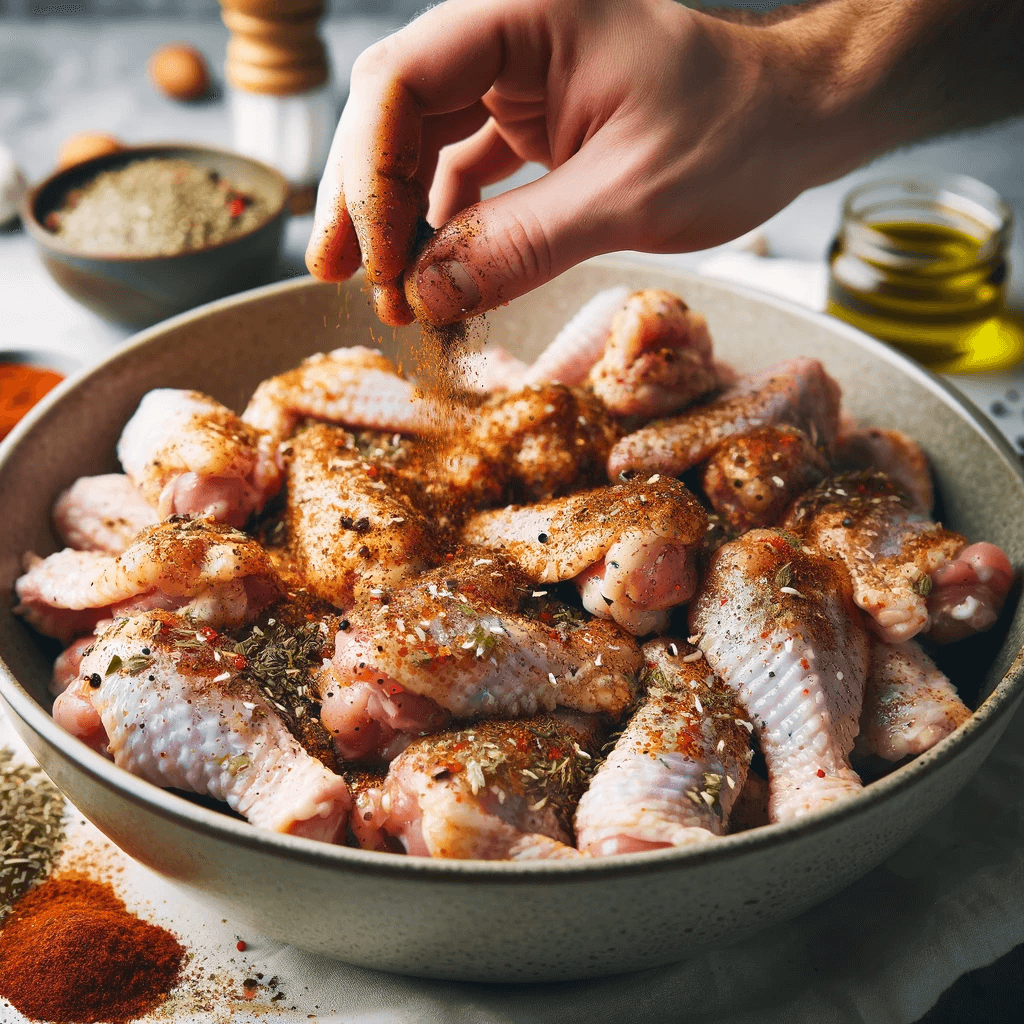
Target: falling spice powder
x=70, y=951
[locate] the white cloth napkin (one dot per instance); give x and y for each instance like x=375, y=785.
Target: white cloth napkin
x=881, y=952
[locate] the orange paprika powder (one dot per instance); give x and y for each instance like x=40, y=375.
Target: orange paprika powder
x=21, y=386
x=70, y=951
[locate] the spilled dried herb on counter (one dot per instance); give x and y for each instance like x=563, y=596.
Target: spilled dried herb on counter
x=31, y=827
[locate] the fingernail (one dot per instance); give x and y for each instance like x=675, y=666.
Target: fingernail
x=446, y=291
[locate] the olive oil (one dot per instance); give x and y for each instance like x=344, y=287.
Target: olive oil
x=923, y=267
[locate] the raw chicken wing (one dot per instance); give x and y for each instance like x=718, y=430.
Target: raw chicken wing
x=580, y=343
x=494, y=790
x=222, y=577
x=630, y=547
x=893, y=453
x=353, y=527
x=752, y=479
x=354, y=387
x=799, y=393
x=190, y=455
x=678, y=766
x=657, y=358
x=546, y=439
x=467, y=641
x=778, y=625
x=102, y=513
x=170, y=704
x=890, y=550
x=909, y=705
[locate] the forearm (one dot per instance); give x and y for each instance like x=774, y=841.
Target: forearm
x=865, y=76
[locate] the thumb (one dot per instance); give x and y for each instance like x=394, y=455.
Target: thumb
x=501, y=248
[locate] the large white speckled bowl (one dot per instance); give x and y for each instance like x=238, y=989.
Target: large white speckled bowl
x=489, y=921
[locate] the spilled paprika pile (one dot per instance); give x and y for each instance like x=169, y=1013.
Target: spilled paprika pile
x=71, y=951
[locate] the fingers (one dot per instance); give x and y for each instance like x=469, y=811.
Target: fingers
x=333, y=250
x=464, y=169
x=499, y=249
x=441, y=64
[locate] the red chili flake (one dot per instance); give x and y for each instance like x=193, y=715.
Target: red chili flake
x=241, y=945
x=820, y=773
x=372, y=472
x=239, y=661
x=207, y=633
x=236, y=207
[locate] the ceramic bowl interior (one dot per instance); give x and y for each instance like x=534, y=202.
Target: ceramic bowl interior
x=482, y=920
x=138, y=291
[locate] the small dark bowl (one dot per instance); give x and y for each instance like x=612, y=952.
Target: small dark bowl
x=137, y=291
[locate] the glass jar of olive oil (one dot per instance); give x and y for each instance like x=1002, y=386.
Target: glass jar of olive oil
x=922, y=264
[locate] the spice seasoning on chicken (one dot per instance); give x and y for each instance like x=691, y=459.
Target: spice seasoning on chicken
x=71, y=952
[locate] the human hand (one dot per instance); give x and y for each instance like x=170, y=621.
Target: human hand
x=665, y=130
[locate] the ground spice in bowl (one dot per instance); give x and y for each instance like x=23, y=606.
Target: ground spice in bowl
x=70, y=951
x=158, y=206
x=21, y=386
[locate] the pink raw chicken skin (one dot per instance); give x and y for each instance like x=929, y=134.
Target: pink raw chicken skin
x=102, y=513
x=630, y=549
x=778, y=625
x=798, y=393
x=674, y=773
x=222, y=576
x=909, y=704
x=174, y=709
x=968, y=593
x=460, y=641
x=190, y=455
x=369, y=714
x=480, y=792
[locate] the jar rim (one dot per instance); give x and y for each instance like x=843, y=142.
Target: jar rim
x=958, y=195
x=959, y=187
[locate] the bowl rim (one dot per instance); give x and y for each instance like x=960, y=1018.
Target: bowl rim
x=122, y=157
x=216, y=824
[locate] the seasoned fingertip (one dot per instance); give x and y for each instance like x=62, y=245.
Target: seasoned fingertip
x=442, y=293
x=390, y=305
x=333, y=250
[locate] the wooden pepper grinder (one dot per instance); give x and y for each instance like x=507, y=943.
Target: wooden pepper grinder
x=283, y=106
